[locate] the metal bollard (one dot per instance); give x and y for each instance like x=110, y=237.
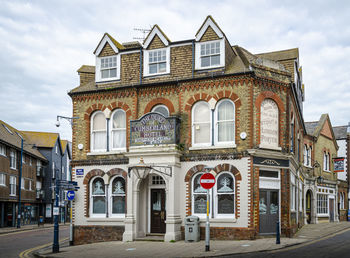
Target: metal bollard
x=278, y=241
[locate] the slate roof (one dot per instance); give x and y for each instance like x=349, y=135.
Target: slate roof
x=41, y=139
x=9, y=136
x=340, y=132
x=310, y=127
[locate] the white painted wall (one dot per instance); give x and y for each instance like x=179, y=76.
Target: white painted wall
x=342, y=153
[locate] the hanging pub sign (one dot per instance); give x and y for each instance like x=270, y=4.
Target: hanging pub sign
x=154, y=129
x=338, y=164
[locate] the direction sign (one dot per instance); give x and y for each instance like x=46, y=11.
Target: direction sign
x=207, y=181
x=70, y=195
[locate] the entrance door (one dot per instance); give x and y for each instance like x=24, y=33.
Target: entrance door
x=158, y=211
x=331, y=210
x=268, y=210
x=308, y=207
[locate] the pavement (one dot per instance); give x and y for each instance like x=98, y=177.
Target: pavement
x=309, y=233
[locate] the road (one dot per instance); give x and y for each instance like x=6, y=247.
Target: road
x=12, y=244
x=335, y=246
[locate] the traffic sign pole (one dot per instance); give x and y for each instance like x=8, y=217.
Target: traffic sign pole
x=70, y=226
x=207, y=227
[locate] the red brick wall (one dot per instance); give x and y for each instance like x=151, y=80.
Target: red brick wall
x=93, y=234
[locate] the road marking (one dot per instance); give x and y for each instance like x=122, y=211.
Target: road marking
x=25, y=253
x=30, y=229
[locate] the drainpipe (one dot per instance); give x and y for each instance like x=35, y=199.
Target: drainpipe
x=193, y=59
x=141, y=57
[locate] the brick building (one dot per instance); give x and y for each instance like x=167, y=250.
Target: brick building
x=182, y=108
x=31, y=165
x=321, y=188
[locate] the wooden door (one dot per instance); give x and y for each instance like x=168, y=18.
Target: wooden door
x=308, y=207
x=158, y=214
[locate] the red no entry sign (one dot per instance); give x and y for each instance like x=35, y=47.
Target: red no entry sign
x=207, y=181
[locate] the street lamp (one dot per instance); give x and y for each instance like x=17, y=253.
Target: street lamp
x=142, y=170
x=70, y=120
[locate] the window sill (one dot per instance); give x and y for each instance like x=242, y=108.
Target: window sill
x=150, y=76
x=212, y=147
x=261, y=146
x=323, y=215
x=108, y=80
x=209, y=67
x=113, y=219
x=95, y=153
x=218, y=220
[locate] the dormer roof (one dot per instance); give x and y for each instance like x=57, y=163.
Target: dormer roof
x=209, y=21
x=115, y=45
x=156, y=31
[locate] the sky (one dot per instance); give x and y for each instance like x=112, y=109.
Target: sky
x=44, y=43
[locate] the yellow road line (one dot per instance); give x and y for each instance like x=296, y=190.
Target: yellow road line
x=26, y=253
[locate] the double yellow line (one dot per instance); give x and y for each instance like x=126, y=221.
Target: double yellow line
x=25, y=253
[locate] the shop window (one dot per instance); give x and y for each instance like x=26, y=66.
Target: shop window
x=322, y=204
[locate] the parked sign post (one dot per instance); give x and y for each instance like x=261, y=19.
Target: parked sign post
x=70, y=197
x=207, y=181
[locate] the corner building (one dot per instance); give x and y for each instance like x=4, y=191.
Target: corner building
x=180, y=108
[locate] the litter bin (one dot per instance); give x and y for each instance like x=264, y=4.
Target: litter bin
x=192, y=233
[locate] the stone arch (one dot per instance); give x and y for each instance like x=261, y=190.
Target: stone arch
x=158, y=101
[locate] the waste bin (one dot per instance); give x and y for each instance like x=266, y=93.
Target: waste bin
x=192, y=233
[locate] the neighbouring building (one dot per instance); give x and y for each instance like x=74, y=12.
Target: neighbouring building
x=12, y=182
x=342, y=135
x=153, y=117
x=65, y=175
x=321, y=188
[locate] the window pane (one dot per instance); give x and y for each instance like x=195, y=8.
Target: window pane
x=226, y=204
x=200, y=203
x=99, y=122
x=273, y=202
x=119, y=139
x=105, y=74
x=202, y=50
x=98, y=187
x=99, y=140
x=226, y=111
x=118, y=204
x=201, y=112
x=162, y=110
x=215, y=60
x=99, y=205
x=197, y=188
x=113, y=72
x=262, y=203
x=153, y=68
x=162, y=67
x=118, y=186
x=225, y=184
x=202, y=133
x=119, y=119
x=226, y=131
x=205, y=61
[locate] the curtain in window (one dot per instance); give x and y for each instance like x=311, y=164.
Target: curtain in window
x=98, y=196
x=99, y=132
x=118, y=129
x=201, y=123
x=225, y=121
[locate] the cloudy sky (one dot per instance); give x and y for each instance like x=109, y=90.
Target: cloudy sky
x=43, y=43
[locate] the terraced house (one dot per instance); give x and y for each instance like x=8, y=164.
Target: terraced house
x=153, y=117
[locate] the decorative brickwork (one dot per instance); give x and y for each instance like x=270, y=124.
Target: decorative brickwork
x=107, y=51
x=158, y=101
x=94, y=234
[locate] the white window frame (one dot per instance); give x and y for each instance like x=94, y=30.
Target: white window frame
x=30, y=185
x=322, y=204
x=306, y=155
x=99, y=69
x=22, y=183
x=146, y=62
x=23, y=158
x=97, y=215
x=2, y=150
x=92, y=133
x=198, y=65
x=163, y=106
x=194, y=125
x=111, y=130
x=2, y=179
x=110, y=198
x=13, y=159
x=216, y=123
x=200, y=215
x=326, y=161
x=13, y=186
x=309, y=156
x=216, y=200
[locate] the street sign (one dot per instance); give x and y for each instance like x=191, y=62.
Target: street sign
x=79, y=172
x=70, y=195
x=207, y=181
x=56, y=211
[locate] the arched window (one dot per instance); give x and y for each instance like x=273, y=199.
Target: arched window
x=309, y=156
x=225, y=122
x=225, y=195
x=118, y=130
x=98, y=132
x=326, y=161
x=269, y=124
x=117, y=197
x=161, y=109
x=98, y=198
x=201, y=124
x=306, y=155
x=199, y=197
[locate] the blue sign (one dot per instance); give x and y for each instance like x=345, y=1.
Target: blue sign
x=70, y=195
x=79, y=172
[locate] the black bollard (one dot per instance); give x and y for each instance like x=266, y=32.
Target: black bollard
x=278, y=241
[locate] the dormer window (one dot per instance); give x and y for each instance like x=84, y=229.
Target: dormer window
x=157, y=62
x=210, y=54
x=109, y=67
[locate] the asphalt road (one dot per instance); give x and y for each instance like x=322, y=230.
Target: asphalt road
x=335, y=246
x=12, y=244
